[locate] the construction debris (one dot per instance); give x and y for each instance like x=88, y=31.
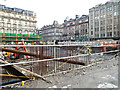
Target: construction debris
x=41, y=62
x=17, y=73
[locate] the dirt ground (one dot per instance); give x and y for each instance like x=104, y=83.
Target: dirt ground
x=101, y=75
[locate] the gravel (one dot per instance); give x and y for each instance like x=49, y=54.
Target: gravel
x=103, y=75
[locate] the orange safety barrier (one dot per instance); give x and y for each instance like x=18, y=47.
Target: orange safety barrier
x=3, y=35
x=113, y=45
x=104, y=48
x=25, y=49
x=38, y=38
x=32, y=43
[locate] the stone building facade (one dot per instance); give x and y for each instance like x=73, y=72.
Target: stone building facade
x=104, y=20
x=76, y=29
x=16, y=20
x=51, y=32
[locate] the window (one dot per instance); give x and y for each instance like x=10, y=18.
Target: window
x=115, y=7
x=2, y=14
x=115, y=13
x=104, y=10
x=101, y=16
x=91, y=32
x=2, y=19
x=2, y=6
x=8, y=25
x=15, y=26
x=95, y=23
x=98, y=12
x=25, y=31
x=110, y=27
x=110, y=33
x=97, y=35
x=104, y=16
x=104, y=34
x=107, y=33
x=86, y=30
x=110, y=21
x=95, y=12
x=101, y=28
x=2, y=24
x=110, y=8
x=8, y=20
x=95, y=29
x=101, y=11
x=110, y=14
x=116, y=20
x=101, y=22
x=29, y=23
x=2, y=30
x=25, y=23
x=18, y=10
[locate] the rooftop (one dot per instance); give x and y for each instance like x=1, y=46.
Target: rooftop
x=17, y=10
x=110, y=1
x=77, y=18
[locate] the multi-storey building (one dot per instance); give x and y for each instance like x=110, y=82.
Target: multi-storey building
x=15, y=20
x=104, y=20
x=51, y=32
x=76, y=29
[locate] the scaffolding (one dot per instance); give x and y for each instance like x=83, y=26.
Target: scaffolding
x=16, y=38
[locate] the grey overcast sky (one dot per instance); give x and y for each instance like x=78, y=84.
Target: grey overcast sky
x=49, y=10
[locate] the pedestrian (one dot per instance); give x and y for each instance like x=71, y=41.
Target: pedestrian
x=56, y=42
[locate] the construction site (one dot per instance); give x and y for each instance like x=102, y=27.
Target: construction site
x=25, y=62
x=72, y=52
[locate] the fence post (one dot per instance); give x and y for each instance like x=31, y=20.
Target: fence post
x=118, y=45
x=54, y=56
x=87, y=57
x=42, y=64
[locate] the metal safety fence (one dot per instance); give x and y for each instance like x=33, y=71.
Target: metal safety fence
x=45, y=59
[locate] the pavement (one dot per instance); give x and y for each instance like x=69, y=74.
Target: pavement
x=102, y=75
